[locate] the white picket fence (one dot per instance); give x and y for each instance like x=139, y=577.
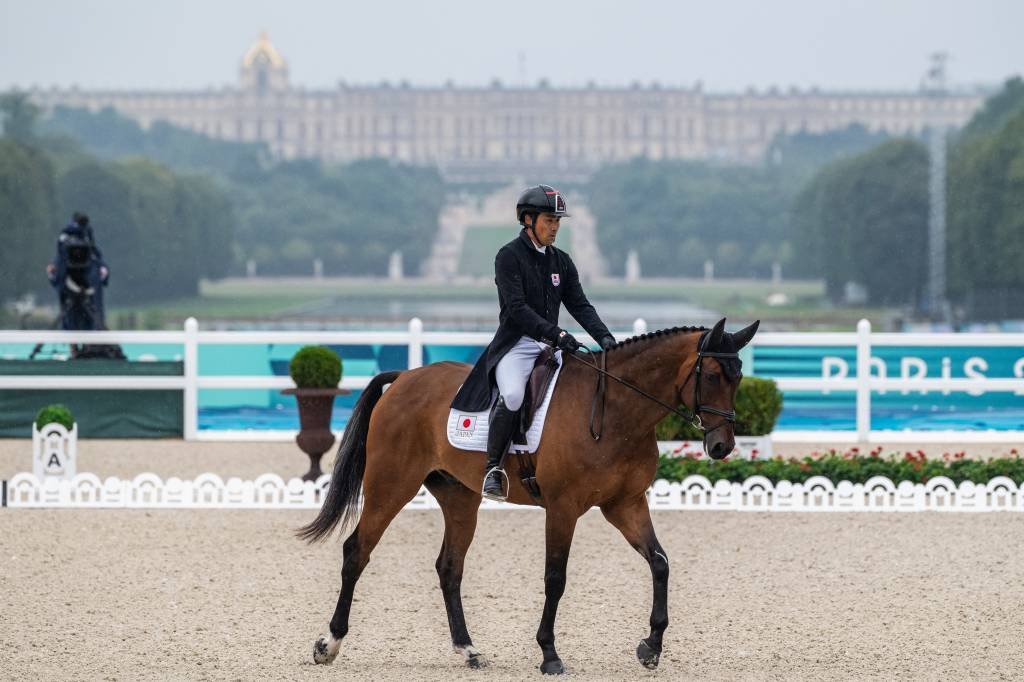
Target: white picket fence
x=757, y=493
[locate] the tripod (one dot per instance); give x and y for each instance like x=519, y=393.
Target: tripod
x=81, y=300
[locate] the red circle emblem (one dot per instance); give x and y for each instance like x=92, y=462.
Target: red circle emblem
x=465, y=423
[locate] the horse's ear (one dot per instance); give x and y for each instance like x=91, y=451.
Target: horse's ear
x=715, y=338
x=743, y=336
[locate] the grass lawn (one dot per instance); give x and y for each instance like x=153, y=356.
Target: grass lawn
x=483, y=241
x=276, y=298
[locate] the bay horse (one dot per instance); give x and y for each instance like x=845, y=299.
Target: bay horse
x=397, y=441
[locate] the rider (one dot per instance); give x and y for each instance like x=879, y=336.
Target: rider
x=534, y=278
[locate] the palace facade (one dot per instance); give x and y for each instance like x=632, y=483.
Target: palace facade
x=505, y=133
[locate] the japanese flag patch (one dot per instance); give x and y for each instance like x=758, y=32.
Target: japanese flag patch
x=466, y=425
x=555, y=279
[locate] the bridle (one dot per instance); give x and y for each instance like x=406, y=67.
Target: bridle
x=728, y=416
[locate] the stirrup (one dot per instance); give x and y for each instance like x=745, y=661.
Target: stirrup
x=491, y=496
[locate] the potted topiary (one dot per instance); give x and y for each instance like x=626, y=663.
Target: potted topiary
x=758, y=404
x=316, y=371
x=54, y=442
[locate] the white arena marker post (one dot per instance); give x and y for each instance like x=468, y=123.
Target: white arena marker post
x=415, y=343
x=54, y=451
x=639, y=326
x=191, y=390
x=863, y=381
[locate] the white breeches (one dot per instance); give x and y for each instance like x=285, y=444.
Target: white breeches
x=513, y=371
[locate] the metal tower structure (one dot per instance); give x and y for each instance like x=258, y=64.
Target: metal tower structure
x=934, y=83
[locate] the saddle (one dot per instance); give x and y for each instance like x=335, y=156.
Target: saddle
x=544, y=369
x=464, y=434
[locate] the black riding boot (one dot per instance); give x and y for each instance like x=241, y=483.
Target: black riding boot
x=501, y=429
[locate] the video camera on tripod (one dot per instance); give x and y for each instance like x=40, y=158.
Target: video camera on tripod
x=79, y=274
x=78, y=290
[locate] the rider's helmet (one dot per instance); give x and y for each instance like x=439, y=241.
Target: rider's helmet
x=540, y=199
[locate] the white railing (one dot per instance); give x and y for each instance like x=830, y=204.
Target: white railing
x=866, y=381
x=870, y=378
x=757, y=493
x=191, y=338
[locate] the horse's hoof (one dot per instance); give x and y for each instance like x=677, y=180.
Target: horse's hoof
x=552, y=667
x=648, y=657
x=474, y=659
x=325, y=650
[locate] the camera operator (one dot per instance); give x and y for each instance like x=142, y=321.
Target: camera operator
x=79, y=273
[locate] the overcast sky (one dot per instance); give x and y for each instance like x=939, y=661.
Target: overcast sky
x=834, y=44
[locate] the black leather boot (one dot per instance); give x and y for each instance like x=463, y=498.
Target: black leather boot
x=501, y=429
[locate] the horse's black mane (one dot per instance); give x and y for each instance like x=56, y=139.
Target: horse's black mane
x=732, y=367
x=659, y=332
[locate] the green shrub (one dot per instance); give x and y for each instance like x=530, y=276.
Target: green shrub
x=758, y=404
x=849, y=466
x=55, y=414
x=315, y=367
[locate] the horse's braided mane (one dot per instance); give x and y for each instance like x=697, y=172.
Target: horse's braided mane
x=654, y=334
x=732, y=367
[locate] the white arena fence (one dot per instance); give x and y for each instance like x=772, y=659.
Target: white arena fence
x=757, y=493
x=866, y=381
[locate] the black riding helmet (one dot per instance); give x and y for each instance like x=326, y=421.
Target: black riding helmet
x=540, y=199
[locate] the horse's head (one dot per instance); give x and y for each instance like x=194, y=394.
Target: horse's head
x=709, y=388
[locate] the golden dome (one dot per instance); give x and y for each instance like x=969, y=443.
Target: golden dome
x=263, y=47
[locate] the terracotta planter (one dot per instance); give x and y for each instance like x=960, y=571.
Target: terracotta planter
x=315, y=436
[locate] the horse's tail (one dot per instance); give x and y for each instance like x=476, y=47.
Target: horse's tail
x=347, y=478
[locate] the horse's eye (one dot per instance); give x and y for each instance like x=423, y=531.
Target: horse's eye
x=712, y=378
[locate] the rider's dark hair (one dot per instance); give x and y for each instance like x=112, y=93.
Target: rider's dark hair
x=80, y=219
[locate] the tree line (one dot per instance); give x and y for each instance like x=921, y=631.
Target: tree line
x=351, y=217
x=171, y=207
x=679, y=214
x=865, y=219
x=160, y=231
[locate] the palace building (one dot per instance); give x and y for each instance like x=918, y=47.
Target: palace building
x=503, y=133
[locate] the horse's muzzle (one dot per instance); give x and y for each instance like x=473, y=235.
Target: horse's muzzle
x=720, y=448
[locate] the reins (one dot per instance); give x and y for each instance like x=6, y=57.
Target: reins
x=693, y=418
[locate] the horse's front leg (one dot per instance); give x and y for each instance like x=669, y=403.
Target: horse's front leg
x=632, y=517
x=559, y=529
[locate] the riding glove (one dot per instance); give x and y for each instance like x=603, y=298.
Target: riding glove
x=607, y=342
x=568, y=342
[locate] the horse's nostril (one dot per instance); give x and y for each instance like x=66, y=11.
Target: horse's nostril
x=720, y=450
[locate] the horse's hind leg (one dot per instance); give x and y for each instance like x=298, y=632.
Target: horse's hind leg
x=459, y=505
x=382, y=501
x=632, y=517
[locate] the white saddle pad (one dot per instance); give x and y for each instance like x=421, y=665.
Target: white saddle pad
x=468, y=430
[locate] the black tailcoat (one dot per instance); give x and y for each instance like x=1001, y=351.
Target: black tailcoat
x=531, y=288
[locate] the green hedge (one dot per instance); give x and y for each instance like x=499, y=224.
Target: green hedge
x=55, y=413
x=849, y=466
x=315, y=367
x=758, y=404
